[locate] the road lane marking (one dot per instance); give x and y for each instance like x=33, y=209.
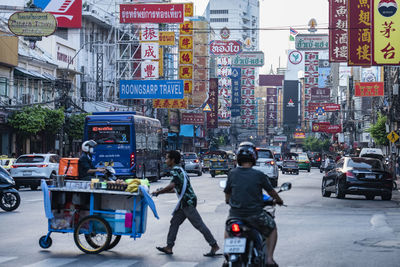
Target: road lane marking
x=34, y=200
x=119, y=263
x=53, y=262
x=4, y=259
x=180, y=264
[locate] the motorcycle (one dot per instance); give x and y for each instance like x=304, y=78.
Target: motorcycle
x=9, y=196
x=245, y=246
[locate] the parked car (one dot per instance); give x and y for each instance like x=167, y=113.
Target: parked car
x=267, y=164
x=290, y=163
x=315, y=159
x=278, y=159
x=304, y=162
x=6, y=162
x=29, y=169
x=192, y=163
x=358, y=176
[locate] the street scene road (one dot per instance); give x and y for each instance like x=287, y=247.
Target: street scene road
x=313, y=230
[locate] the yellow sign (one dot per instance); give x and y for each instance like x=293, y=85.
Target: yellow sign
x=393, y=137
x=188, y=86
x=186, y=28
x=170, y=103
x=386, y=33
x=185, y=57
x=32, y=23
x=166, y=38
x=188, y=9
x=207, y=108
x=185, y=42
x=186, y=72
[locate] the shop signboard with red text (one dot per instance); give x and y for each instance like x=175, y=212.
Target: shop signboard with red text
x=152, y=13
x=192, y=118
x=369, y=89
x=338, y=34
x=225, y=47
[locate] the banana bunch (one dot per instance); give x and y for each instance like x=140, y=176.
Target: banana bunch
x=133, y=185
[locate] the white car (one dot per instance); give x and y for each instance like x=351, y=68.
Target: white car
x=29, y=169
x=267, y=164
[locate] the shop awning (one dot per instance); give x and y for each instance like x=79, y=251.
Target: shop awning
x=31, y=73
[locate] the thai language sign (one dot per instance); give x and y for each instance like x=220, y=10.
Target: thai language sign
x=248, y=59
x=312, y=42
x=162, y=89
x=369, y=89
x=338, y=31
x=320, y=126
x=225, y=47
x=151, y=13
x=32, y=23
x=359, y=42
x=328, y=107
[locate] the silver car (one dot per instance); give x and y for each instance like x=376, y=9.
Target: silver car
x=29, y=169
x=192, y=163
x=267, y=164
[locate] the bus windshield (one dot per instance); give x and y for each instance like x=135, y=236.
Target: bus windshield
x=114, y=134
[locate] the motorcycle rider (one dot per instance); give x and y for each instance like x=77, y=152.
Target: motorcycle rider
x=86, y=170
x=244, y=194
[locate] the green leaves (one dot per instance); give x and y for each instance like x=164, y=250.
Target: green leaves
x=378, y=131
x=315, y=144
x=75, y=125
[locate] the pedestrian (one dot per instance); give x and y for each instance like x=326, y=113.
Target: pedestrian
x=186, y=206
x=397, y=167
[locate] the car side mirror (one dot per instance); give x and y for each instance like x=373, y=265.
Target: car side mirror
x=285, y=187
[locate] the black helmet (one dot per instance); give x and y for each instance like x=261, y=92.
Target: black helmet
x=246, y=153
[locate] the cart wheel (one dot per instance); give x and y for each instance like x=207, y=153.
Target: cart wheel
x=92, y=235
x=114, y=241
x=43, y=243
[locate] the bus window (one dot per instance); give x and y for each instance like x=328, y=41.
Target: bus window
x=114, y=134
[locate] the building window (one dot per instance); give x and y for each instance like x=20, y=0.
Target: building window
x=3, y=86
x=62, y=33
x=219, y=20
x=219, y=11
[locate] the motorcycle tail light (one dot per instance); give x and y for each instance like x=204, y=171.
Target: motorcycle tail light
x=235, y=228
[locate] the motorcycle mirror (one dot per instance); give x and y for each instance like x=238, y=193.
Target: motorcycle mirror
x=222, y=184
x=286, y=186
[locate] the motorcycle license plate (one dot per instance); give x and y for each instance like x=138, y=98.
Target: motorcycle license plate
x=235, y=245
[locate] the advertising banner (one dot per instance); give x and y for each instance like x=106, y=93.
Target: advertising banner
x=151, y=13
x=236, y=92
x=311, y=74
x=248, y=59
x=173, y=119
x=185, y=72
x=290, y=103
x=295, y=63
x=333, y=129
x=186, y=28
x=151, y=89
x=218, y=47
x=192, y=118
x=338, y=31
x=68, y=13
x=360, y=38
x=149, y=70
x=249, y=106
x=327, y=107
x=386, y=32
x=369, y=89
x=186, y=42
x=150, y=51
x=320, y=126
x=272, y=107
x=32, y=24
x=212, y=117
x=320, y=94
x=149, y=32
x=185, y=57
x=312, y=42
x=166, y=38
x=189, y=9
x=171, y=103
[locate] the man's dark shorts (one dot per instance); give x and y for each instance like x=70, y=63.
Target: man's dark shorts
x=263, y=222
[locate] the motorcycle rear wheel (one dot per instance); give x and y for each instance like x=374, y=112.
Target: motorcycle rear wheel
x=10, y=201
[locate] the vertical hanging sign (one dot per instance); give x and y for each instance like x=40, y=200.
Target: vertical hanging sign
x=338, y=31
x=212, y=103
x=236, y=91
x=249, y=107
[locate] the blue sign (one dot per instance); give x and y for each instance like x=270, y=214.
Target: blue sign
x=151, y=89
x=236, y=92
x=320, y=111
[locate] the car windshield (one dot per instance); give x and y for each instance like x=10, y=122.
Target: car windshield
x=361, y=163
x=30, y=159
x=303, y=157
x=264, y=154
x=190, y=156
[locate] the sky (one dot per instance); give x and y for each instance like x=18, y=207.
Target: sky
x=281, y=14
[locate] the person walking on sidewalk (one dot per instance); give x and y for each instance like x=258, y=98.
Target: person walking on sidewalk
x=186, y=206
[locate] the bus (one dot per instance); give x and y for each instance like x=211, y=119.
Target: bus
x=130, y=143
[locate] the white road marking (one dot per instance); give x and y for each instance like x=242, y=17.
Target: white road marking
x=180, y=264
x=53, y=262
x=34, y=200
x=119, y=263
x=378, y=222
x=4, y=259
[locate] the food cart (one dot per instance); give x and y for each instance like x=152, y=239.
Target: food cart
x=97, y=217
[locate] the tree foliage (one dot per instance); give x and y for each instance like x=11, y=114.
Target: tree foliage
x=378, y=131
x=75, y=125
x=54, y=119
x=312, y=143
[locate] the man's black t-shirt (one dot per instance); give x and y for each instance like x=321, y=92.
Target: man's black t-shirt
x=84, y=164
x=245, y=186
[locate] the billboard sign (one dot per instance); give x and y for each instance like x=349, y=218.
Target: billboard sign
x=333, y=129
x=290, y=103
x=212, y=102
x=67, y=12
x=312, y=42
x=369, y=89
x=320, y=94
x=32, y=23
x=151, y=89
x=248, y=59
x=320, y=126
x=338, y=31
x=149, y=69
x=225, y=47
x=150, y=51
x=151, y=13
x=149, y=32
x=171, y=103
x=192, y=118
x=280, y=138
x=236, y=92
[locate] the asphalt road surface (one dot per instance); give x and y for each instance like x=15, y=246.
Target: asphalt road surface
x=313, y=231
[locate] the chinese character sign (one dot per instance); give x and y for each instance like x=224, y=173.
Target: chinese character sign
x=236, y=91
x=149, y=69
x=186, y=28
x=311, y=73
x=150, y=51
x=212, y=117
x=272, y=107
x=369, y=89
x=186, y=42
x=149, y=32
x=249, y=106
x=337, y=31
x=386, y=32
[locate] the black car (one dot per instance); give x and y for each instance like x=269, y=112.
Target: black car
x=358, y=176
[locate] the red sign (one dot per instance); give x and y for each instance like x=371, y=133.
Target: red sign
x=328, y=107
x=67, y=12
x=320, y=126
x=192, y=118
x=212, y=117
x=369, y=89
x=333, y=129
x=225, y=47
x=151, y=13
x=331, y=107
x=360, y=37
x=337, y=31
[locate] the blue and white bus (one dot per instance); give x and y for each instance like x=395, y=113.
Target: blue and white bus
x=130, y=143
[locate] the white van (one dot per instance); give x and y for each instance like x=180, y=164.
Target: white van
x=375, y=153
